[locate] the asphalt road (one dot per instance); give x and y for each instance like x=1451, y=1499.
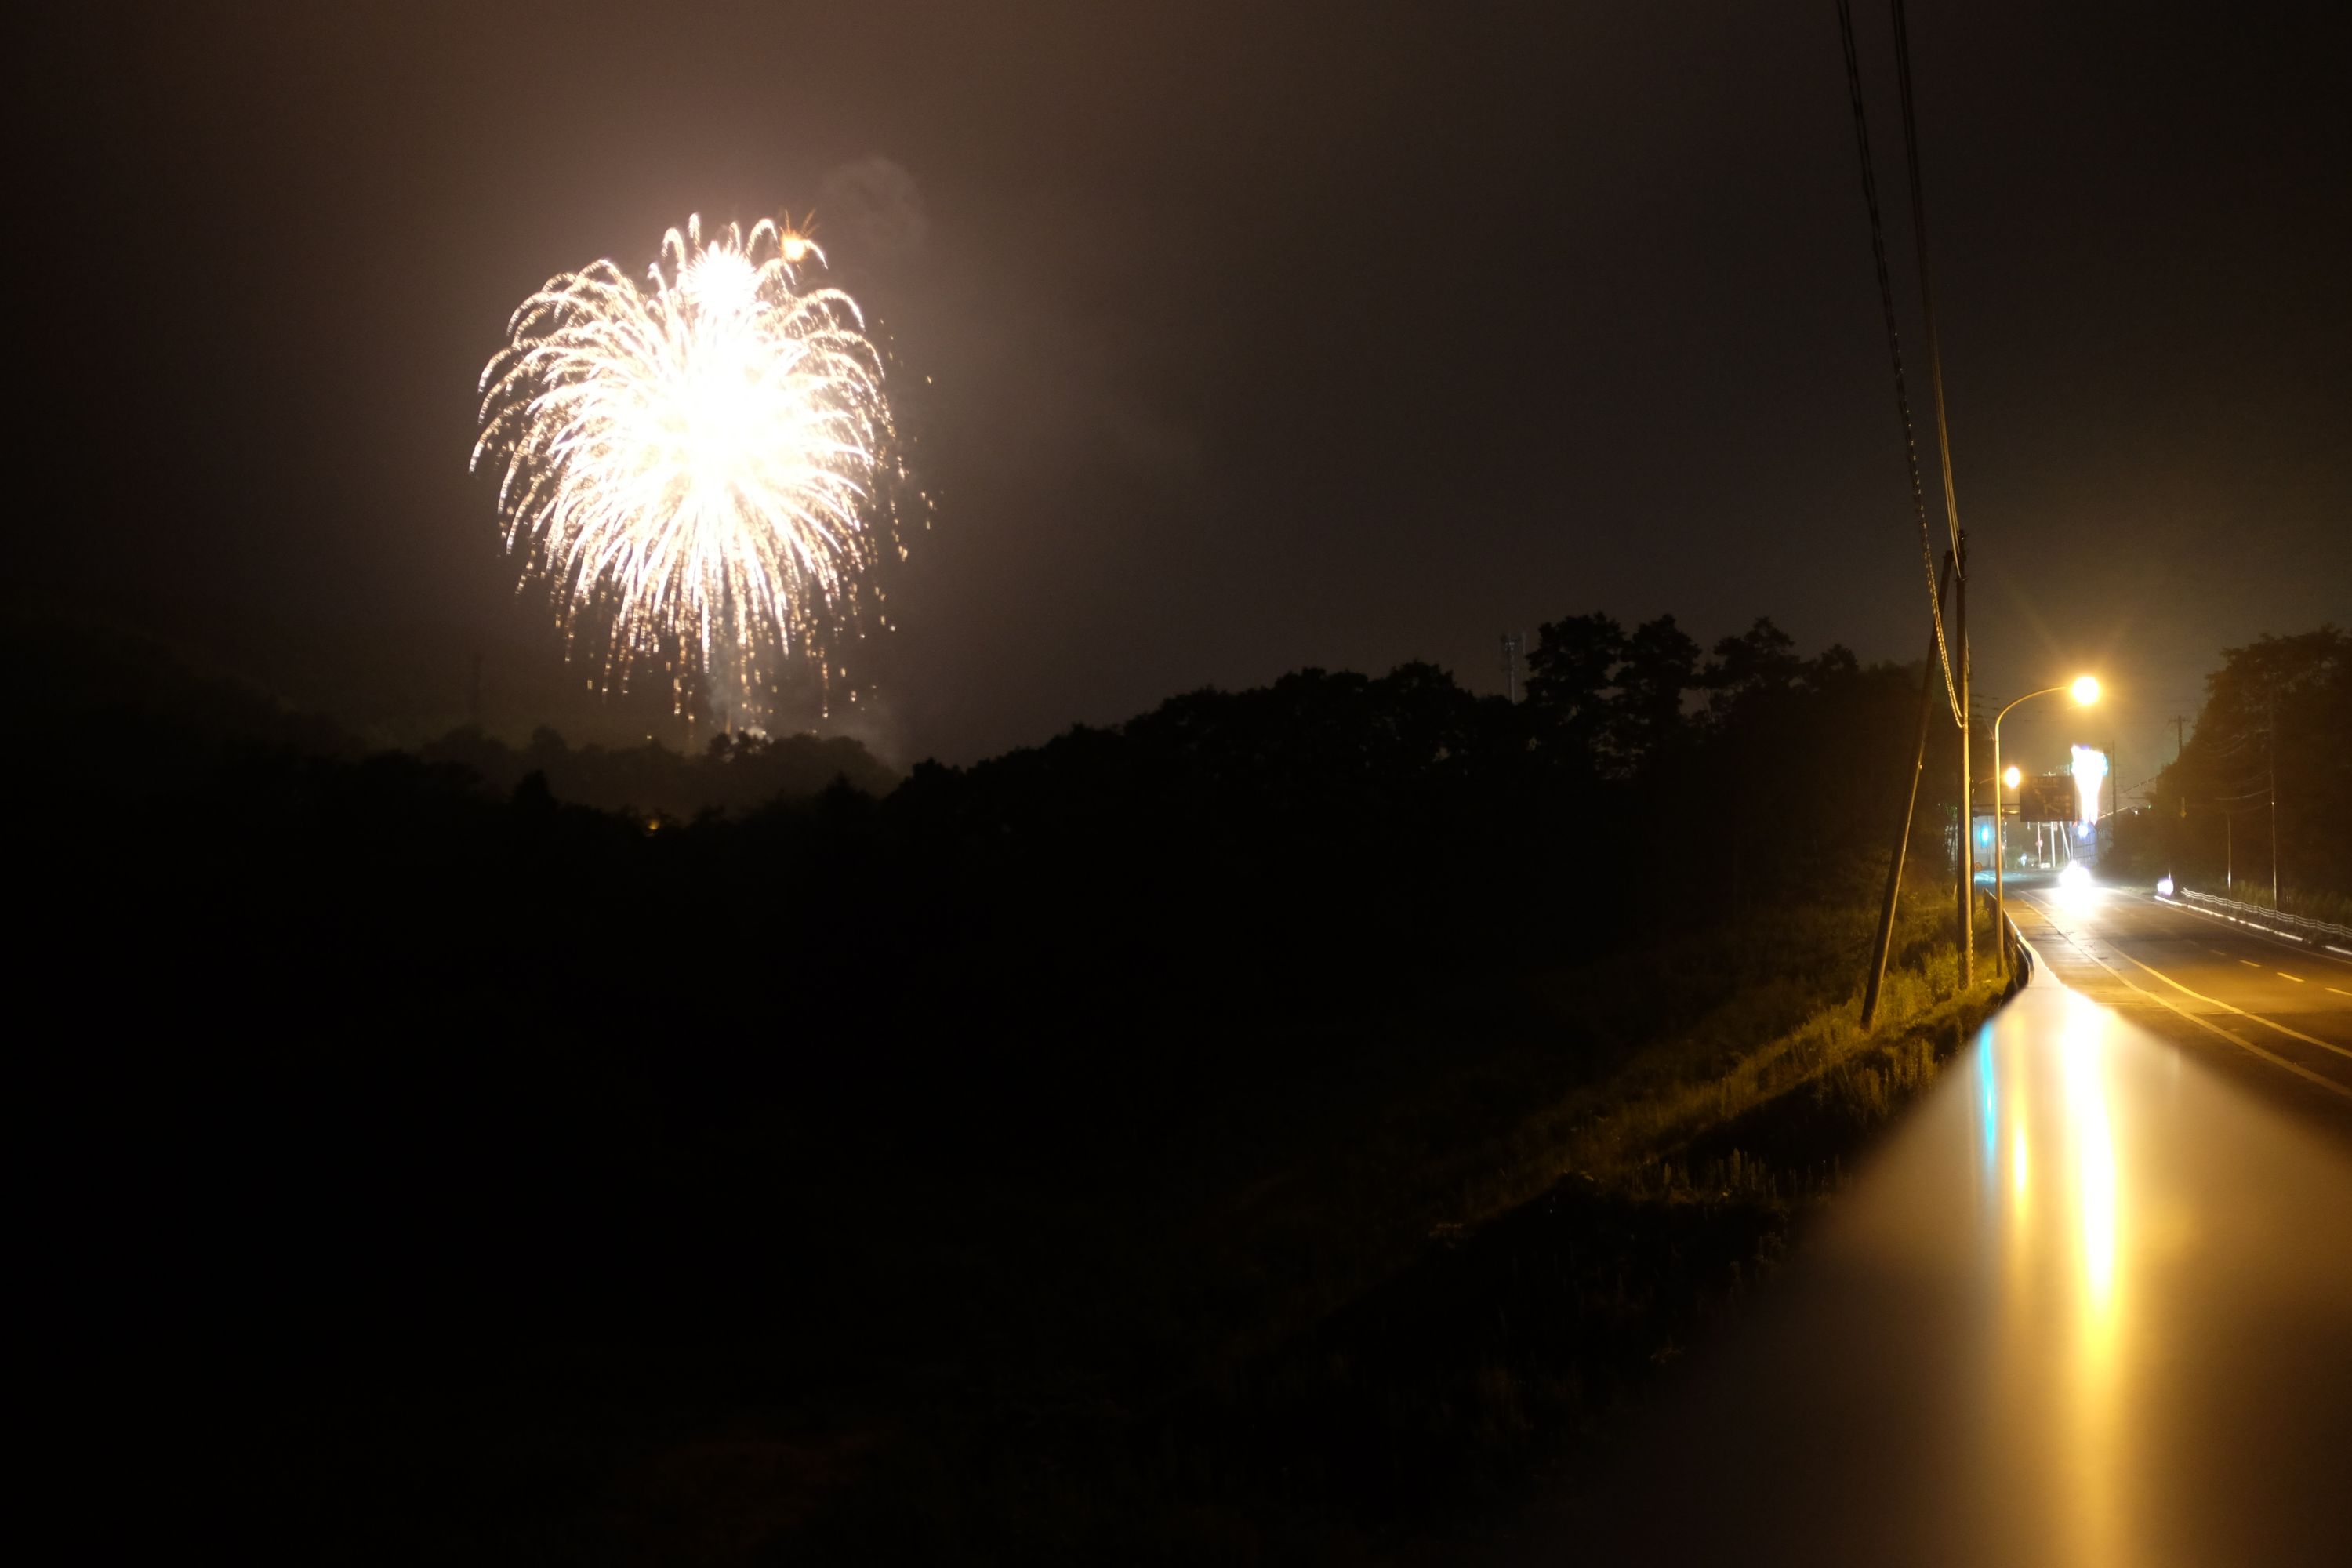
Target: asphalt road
x=2089, y=1304
x=2271, y=1014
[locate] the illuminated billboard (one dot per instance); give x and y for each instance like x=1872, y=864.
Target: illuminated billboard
x=2090, y=780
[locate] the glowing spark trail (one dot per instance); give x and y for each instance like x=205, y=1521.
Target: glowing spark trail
x=697, y=456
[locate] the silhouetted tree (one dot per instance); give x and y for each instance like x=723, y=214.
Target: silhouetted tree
x=1660, y=664
x=1571, y=674
x=1758, y=662
x=2282, y=703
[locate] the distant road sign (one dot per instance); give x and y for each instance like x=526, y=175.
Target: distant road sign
x=2050, y=798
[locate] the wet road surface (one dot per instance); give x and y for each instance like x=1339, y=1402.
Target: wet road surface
x=2090, y=1304
x=2271, y=1014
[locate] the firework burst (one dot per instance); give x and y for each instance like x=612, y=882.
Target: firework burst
x=695, y=462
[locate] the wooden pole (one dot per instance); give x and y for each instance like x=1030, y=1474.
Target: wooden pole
x=1903, y=827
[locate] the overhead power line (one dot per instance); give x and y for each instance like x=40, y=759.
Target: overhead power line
x=1894, y=345
x=1926, y=276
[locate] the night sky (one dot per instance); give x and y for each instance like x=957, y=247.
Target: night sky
x=1258, y=336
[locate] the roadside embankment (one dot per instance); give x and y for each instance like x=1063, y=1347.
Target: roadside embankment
x=1349, y=1401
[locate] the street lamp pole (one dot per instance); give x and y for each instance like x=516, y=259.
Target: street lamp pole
x=2085, y=690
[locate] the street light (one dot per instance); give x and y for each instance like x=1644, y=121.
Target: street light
x=2085, y=691
x=2012, y=775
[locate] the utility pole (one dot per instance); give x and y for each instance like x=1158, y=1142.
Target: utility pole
x=2173, y=834
x=1903, y=829
x=2115, y=804
x=1961, y=655
x=2272, y=749
x=1511, y=666
x=1951, y=498
x=1953, y=650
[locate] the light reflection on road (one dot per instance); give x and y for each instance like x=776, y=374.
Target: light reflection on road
x=2090, y=1305
x=2062, y=1306
x=2100, y=1427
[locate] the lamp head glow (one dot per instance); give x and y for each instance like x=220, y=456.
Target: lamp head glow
x=2011, y=775
x=2087, y=690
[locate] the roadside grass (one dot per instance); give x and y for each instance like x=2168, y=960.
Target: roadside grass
x=1616, y=1065
x=1463, y=1267
x=1797, y=1022
x=1404, y=1257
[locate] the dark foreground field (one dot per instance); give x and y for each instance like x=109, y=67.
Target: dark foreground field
x=1271, y=1131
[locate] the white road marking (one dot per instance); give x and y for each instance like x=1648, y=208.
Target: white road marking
x=2340, y=993
x=2240, y=1012
x=2249, y=964
x=2275, y=1060
x=2282, y=974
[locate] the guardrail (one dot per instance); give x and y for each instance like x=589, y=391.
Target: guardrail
x=2020, y=956
x=2301, y=927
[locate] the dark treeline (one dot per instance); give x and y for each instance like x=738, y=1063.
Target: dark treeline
x=733, y=774
x=1364, y=815
x=370, y=1073
x=117, y=718
x=2277, y=716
